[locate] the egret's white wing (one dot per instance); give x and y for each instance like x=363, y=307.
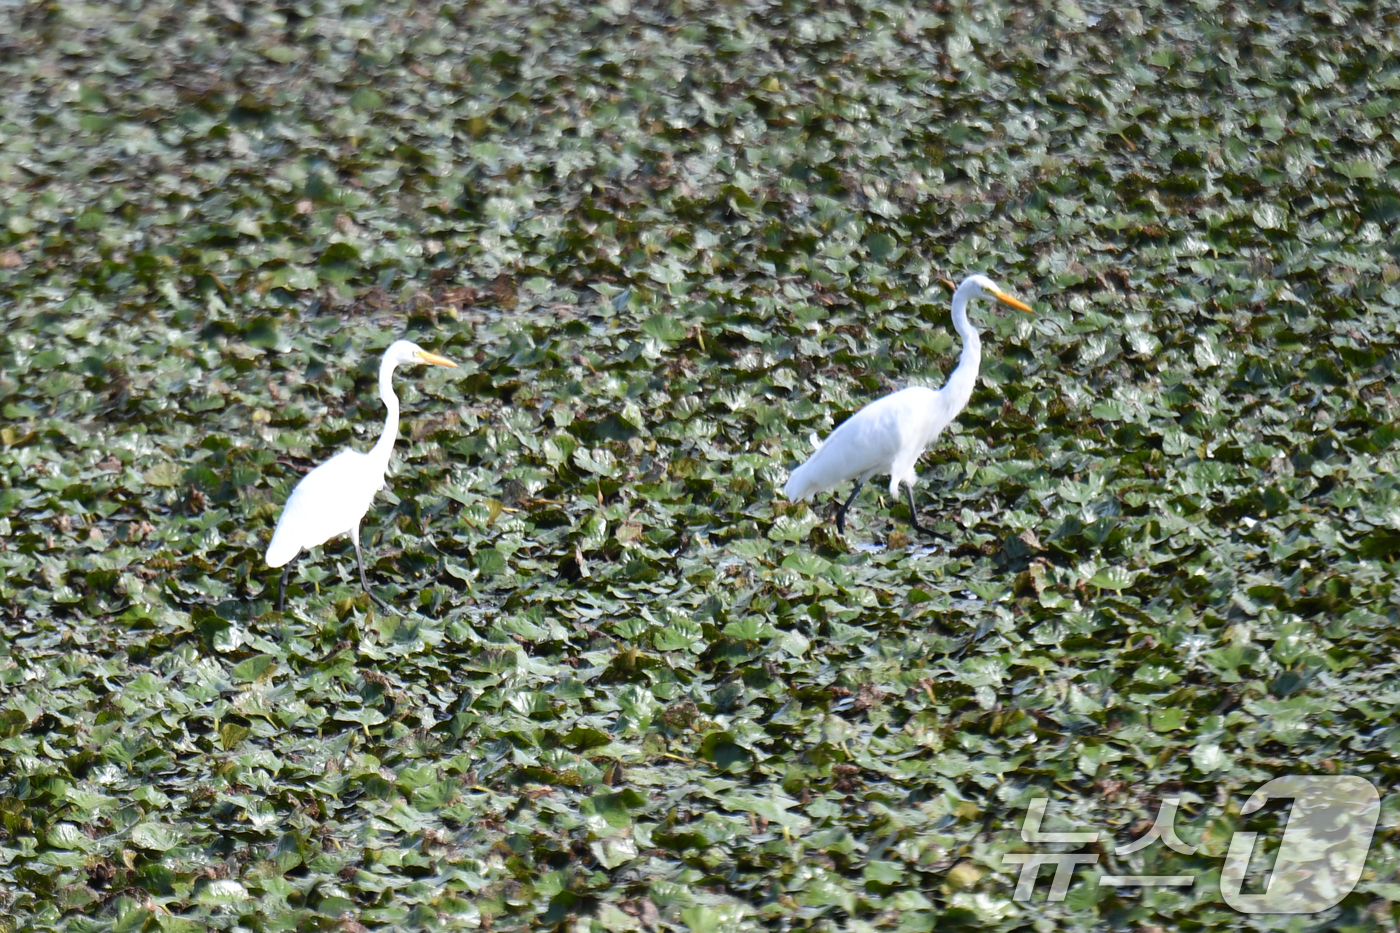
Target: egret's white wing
x=865, y=444
x=329, y=501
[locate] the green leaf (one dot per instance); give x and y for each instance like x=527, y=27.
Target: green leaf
x=1112, y=578
x=364, y=716
x=1356, y=169
x=1209, y=758
x=231, y=734
x=163, y=474
x=724, y=752
x=806, y=564
x=598, y=461
x=1269, y=216
x=882, y=247
x=66, y=836
x=714, y=919
x=223, y=892
x=489, y=561
x=156, y=836
x=615, y=809
x=664, y=328
x=282, y=54
x=366, y=99
x=750, y=629
x=258, y=667
x=1167, y=720
x=614, y=851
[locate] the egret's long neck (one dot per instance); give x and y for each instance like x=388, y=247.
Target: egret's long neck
x=384, y=448
x=965, y=376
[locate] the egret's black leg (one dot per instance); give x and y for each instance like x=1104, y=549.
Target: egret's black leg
x=282, y=586
x=364, y=582
x=845, y=506
x=914, y=516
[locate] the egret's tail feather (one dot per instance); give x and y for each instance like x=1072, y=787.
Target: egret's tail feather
x=280, y=551
x=798, y=486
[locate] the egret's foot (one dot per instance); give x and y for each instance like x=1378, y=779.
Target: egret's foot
x=364, y=581
x=914, y=523
x=381, y=603
x=844, y=508
x=914, y=518
x=282, y=588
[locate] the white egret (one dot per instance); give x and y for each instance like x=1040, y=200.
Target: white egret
x=332, y=499
x=888, y=435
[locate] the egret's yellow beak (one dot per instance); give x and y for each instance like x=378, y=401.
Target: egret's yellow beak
x=1004, y=298
x=434, y=359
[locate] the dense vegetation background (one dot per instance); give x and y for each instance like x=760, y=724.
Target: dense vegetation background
x=667, y=241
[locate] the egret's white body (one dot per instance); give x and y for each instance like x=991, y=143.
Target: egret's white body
x=889, y=435
x=332, y=499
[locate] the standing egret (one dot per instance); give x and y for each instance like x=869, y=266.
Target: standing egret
x=888, y=435
x=333, y=498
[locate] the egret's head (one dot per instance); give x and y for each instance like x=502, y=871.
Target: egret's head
x=979, y=286
x=402, y=352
